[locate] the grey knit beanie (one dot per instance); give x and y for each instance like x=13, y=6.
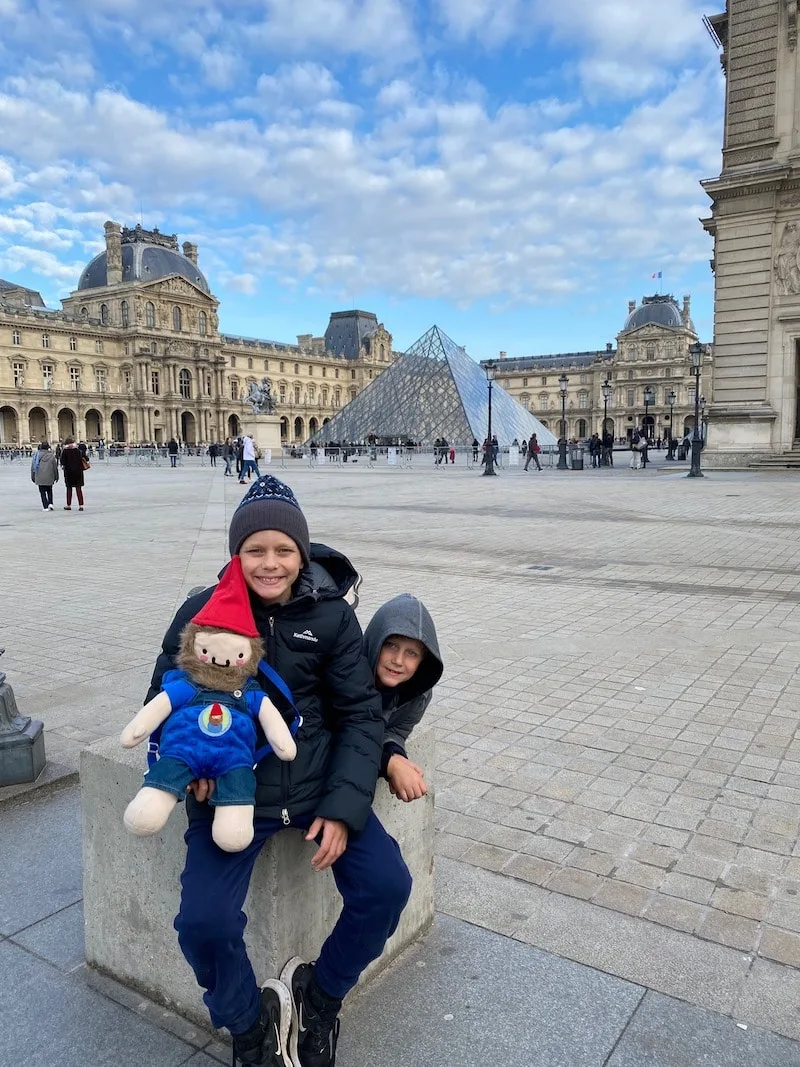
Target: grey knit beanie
x=269, y=505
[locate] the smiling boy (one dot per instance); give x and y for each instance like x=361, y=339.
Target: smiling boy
x=401, y=646
x=314, y=642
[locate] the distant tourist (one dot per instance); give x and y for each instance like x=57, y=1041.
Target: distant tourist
x=44, y=474
x=73, y=463
x=213, y=452
x=534, y=448
x=229, y=455
x=636, y=458
x=475, y=447
x=172, y=451
x=249, y=460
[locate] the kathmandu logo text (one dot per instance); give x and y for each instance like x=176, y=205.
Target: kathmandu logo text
x=306, y=635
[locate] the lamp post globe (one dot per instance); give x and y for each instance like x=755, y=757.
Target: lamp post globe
x=606, y=390
x=671, y=398
x=696, y=359
x=563, y=381
x=488, y=459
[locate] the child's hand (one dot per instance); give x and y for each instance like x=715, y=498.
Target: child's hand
x=333, y=843
x=406, y=779
x=203, y=789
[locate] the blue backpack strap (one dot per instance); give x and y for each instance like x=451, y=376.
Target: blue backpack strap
x=297, y=720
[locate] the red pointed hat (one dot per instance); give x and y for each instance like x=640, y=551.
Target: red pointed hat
x=229, y=607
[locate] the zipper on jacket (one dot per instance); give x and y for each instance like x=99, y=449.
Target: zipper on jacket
x=285, y=817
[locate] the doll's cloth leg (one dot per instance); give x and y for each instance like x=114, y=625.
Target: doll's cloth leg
x=171, y=775
x=375, y=885
x=234, y=788
x=211, y=923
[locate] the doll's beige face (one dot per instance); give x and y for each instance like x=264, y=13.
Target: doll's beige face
x=222, y=650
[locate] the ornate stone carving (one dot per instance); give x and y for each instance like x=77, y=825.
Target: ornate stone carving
x=791, y=9
x=787, y=260
x=260, y=398
x=789, y=199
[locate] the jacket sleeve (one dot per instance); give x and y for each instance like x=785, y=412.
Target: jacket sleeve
x=398, y=729
x=356, y=711
x=171, y=642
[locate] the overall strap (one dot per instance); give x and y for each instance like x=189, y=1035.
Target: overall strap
x=297, y=720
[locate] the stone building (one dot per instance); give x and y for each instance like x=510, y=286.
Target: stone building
x=135, y=355
x=652, y=350
x=755, y=223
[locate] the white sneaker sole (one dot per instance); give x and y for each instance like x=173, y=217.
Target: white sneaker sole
x=285, y=999
x=287, y=974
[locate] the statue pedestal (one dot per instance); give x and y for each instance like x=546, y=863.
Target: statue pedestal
x=266, y=432
x=22, y=757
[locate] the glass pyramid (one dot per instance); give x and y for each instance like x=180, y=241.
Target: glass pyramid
x=433, y=390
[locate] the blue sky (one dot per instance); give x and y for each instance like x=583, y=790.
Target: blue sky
x=512, y=170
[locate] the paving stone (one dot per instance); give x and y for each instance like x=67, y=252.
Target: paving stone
x=780, y=945
x=574, y=883
x=677, y=914
x=630, y=899
x=688, y=888
x=740, y=902
x=732, y=930
x=530, y=869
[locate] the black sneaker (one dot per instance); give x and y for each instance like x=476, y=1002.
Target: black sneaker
x=315, y=1017
x=265, y=1043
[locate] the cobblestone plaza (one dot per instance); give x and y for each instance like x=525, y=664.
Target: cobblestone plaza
x=617, y=719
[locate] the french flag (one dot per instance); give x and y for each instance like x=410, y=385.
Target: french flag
x=657, y=275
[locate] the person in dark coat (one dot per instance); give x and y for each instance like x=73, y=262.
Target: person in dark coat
x=72, y=461
x=44, y=474
x=313, y=640
x=401, y=646
x=172, y=452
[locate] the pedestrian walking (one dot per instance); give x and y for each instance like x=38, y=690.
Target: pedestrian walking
x=44, y=474
x=534, y=448
x=249, y=459
x=229, y=455
x=73, y=463
x=172, y=451
x=636, y=459
x=475, y=447
x=213, y=452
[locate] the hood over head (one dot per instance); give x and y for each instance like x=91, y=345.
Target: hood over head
x=406, y=616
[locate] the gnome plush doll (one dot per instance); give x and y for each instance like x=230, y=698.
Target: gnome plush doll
x=208, y=712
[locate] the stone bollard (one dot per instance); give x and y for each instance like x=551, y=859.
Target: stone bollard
x=22, y=757
x=132, y=890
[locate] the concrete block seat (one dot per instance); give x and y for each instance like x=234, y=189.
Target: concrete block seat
x=132, y=885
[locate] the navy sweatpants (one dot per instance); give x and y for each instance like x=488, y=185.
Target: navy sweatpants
x=370, y=875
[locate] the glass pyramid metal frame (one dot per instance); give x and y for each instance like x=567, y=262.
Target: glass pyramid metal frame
x=433, y=390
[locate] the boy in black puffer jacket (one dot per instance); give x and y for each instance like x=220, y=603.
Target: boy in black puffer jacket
x=314, y=642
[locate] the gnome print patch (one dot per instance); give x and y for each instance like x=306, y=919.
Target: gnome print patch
x=215, y=720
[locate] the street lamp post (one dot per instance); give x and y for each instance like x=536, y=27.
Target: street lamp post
x=671, y=398
x=703, y=422
x=562, y=441
x=488, y=464
x=649, y=398
x=606, y=389
x=696, y=357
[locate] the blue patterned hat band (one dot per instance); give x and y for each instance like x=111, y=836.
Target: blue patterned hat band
x=269, y=504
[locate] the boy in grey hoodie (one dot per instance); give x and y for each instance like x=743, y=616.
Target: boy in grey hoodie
x=401, y=646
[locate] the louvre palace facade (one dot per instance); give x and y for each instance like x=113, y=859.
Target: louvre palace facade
x=135, y=355
x=652, y=351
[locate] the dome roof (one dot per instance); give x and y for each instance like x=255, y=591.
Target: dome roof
x=655, y=311
x=144, y=262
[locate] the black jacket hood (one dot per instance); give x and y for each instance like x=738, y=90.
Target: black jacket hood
x=406, y=616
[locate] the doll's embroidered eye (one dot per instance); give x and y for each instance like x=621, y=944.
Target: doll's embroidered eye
x=241, y=655
x=205, y=651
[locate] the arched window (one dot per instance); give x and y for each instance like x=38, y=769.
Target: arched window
x=525, y=399
x=337, y=397
x=124, y=312
x=297, y=394
x=177, y=320
x=324, y=397
x=234, y=388
x=651, y=353
x=150, y=314
x=583, y=399
x=84, y=313
x=543, y=401
x=581, y=427
x=202, y=324
x=353, y=392
x=282, y=393
x=104, y=314
x=312, y=394
x=383, y=352
x=185, y=384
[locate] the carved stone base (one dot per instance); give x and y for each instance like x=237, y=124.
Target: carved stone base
x=266, y=431
x=22, y=756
